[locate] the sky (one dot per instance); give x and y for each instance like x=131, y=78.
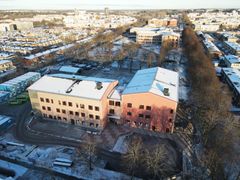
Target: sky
x=117, y=4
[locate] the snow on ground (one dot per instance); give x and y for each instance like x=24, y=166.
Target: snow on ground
x=19, y=170
x=121, y=145
x=153, y=48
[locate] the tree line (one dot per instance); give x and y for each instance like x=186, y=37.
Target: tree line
x=210, y=102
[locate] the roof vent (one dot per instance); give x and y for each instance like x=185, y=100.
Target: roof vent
x=166, y=92
x=69, y=90
x=99, y=85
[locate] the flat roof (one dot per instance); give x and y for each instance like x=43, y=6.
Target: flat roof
x=83, y=88
x=154, y=80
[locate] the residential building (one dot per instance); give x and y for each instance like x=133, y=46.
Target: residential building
x=232, y=61
x=149, y=101
x=166, y=22
x=6, y=68
x=148, y=35
x=233, y=48
x=232, y=77
x=80, y=100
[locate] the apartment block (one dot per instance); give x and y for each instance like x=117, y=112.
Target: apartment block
x=81, y=101
x=149, y=101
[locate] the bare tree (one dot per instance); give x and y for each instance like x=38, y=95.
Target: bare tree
x=150, y=59
x=87, y=152
x=156, y=162
x=165, y=48
x=133, y=158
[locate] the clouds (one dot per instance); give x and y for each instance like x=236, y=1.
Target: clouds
x=117, y=4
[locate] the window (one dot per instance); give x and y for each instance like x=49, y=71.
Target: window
x=171, y=111
x=83, y=114
x=76, y=113
x=82, y=106
x=58, y=110
x=50, y=116
x=42, y=99
x=148, y=108
x=59, y=118
x=59, y=102
x=65, y=119
x=76, y=105
x=69, y=104
x=90, y=116
x=147, y=116
x=64, y=103
x=117, y=103
x=52, y=101
x=140, y=115
x=111, y=103
x=90, y=107
x=111, y=111
x=170, y=120
x=129, y=105
x=141, y=107
x=43, y=107
x=47, y=100
x=71, y=112
x=96, y=108
x=48, y=108
x=97, y=117
x=129, y=113
x=63, y=111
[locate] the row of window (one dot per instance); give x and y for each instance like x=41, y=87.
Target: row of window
x=147, y=116
x=65, y=103
x=91, y=116
x=148, y=108
x=90, y=124
x=115, y=103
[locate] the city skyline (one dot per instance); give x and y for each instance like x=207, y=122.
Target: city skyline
x=114, y=4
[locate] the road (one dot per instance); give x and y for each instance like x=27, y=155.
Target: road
x=27, y=136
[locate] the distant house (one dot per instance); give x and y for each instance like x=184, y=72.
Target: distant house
x=232, y=61
x=233, y=48
x=232, y=77
x=69, y=69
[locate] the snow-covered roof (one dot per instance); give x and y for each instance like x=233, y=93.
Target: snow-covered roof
x=234, y=76
x=85, y=88
x=69, y=69
x=232, y=59
x=233, y=45
x=154, y=80
x=32, y=56
x=4, y=61
x=4, y=119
